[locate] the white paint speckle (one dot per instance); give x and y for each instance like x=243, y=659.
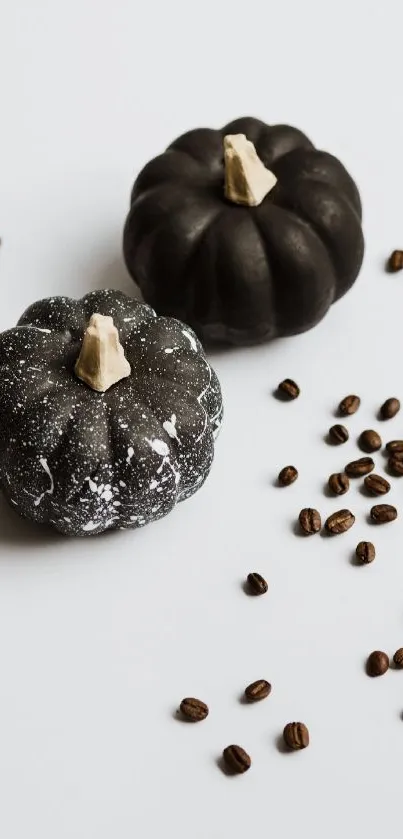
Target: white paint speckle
x=169, y=427
x=107, y=495
x=44, y=464
x=130, y=453
x=122, y=484
x=91, y=525
x=190, y=338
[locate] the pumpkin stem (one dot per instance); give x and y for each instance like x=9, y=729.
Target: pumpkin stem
x=102, y=361
x=247, y=181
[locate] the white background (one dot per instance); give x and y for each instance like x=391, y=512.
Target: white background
x=101, y=638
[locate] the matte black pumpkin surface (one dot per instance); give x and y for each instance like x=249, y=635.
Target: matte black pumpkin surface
x=244, y=274
x=86, y=461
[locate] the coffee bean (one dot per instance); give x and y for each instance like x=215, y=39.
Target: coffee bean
x=296, y=736
x=395, y=465
x=377, y=663
x=193, y=709
x=349, y=405
x=338, y=434
x=289, y=389
x=369, y=441
x=360, y=467
x=390, y=408
x=376, y=485
x=287, y=476
x=396, y=261
x=396, y=456
x=257, y=690
x=257, y=583
x=339, y=522
x=398, y=657
x=382, y=513
x=339, y=483
x=394, y=446
x=236, y=759
x=310, y=520
x=365, y=552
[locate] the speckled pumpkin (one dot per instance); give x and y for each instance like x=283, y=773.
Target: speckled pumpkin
x=86, y=461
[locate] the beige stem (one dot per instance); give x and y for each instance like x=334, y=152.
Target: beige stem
x=247, y=181
x=102, y=361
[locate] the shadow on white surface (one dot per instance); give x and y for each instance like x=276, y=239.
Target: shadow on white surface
x=15, y=530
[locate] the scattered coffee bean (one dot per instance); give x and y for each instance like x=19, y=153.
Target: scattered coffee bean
x=339, y=522
x=339, y=483
x=349, y=405
x=377, y=663
x=398, y=657
x=369, y=441
x=193, y=709
x=310, y=520
x=289, y=389
x=360, y=467
x=382, y=513
x=257, y=583
x=257, y=690
x=396, y=261
x=376, y=485
x=236, y=759
x=390, y=408
x=365, y=552
x=394, y=446
x=287, y=476
x=395, y=465
x=296, y=736
x=396, y=455
x=338, y=434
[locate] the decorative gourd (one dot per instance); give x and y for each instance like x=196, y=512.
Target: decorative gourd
x=246, y=233
x=108, y=413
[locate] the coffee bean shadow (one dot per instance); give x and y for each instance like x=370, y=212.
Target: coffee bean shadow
x=296, y=529
x=220, y=762
x=281, y=746
x=356, y=562
x=325, y=534
x=363, y=491
x=281, y=396
x=243, y=700
x=333, y=443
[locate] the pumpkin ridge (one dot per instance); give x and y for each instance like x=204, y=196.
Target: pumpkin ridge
x=183, y=285
x=322, y=234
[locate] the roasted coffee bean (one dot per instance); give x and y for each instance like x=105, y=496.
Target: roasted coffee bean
x=365, y=552
x=376, y=485
x=360, y=467
x=310, y=520
x=390, y=408
x=193, y=709
x=339, y=483
x=369, y=441
x=398, y=657
x=396, y=261
x=289, y=389
x=395, y=465
x=338, y=434
x=296, y=735
x=377, y=663
x=257, y=690
x=382, y=513
x=236, y=759
x=394, y=446
x=349, y=405
x=257, y=583
x=287, y=476
x=340, y=522
x=396, y=455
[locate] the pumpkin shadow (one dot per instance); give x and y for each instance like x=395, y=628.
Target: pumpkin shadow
x=15, y=530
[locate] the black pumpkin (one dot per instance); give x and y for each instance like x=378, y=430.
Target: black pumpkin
x=88, y=461
x=243, y=274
